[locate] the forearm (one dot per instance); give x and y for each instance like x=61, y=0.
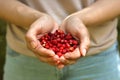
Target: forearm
x=15, y=12
x=100, y=12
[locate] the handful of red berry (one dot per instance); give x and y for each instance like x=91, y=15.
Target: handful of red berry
x=59, y=42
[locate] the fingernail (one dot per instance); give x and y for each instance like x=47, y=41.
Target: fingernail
x=84, y=52
x=33, y=44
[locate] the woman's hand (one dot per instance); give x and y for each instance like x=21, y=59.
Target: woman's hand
x=76, y=27
x=44, y=24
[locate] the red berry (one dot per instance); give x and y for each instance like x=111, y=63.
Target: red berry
x=59, y=54
x=67, y=45
x=64, y=51
x=75, y=42
x=59, y=42
x=68, y=36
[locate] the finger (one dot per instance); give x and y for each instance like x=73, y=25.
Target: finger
x=84, y=45
x=44, y=52
x=83, y=36
x=66, y=61
x=49, y=60
x=31, y=39
x=73, y=55
x=60, y=66
x=32, y=42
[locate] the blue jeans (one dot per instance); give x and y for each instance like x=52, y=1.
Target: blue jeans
x=102, y=66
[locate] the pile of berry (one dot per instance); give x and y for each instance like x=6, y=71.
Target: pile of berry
x=59, y=42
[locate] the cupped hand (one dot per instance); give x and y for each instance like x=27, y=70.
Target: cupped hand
x=41, y=26
x=77, y=28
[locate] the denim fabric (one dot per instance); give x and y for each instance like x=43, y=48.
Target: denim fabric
x=102, y=66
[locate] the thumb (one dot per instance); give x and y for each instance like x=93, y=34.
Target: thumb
x=84, y=45
x=31, y=39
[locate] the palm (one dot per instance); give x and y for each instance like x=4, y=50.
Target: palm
x=41, y=26
x=76, y=27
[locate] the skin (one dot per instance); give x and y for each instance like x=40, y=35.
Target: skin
x=78, y=22
x=95, y=14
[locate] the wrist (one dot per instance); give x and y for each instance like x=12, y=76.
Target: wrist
x=84, y=16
